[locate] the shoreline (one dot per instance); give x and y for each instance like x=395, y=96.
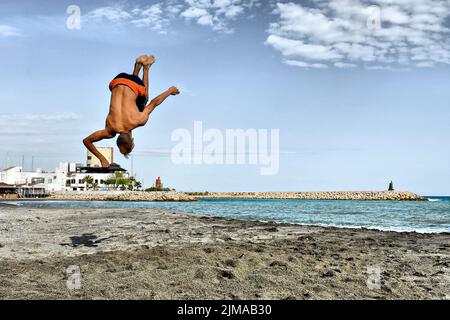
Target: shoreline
x=378, y=229
x=162, y=254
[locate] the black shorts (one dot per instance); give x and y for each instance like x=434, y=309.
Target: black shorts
x=135, y=84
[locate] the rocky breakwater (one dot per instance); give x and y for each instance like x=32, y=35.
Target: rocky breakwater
x=324, y=195
x=122, y=196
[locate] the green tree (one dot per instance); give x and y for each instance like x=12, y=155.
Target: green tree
x=119, y=181
x=138, y=185
x=88, y=180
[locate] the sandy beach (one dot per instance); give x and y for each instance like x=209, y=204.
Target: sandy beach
x=160, y=254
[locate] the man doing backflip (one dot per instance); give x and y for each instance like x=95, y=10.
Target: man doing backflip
x=128, y=109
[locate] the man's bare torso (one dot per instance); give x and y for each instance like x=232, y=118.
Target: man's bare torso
x=123, y=115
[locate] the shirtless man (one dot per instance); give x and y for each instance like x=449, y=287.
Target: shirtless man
x=128, y=109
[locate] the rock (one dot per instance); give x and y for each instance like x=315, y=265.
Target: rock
x=231, y=263
x=122, y=196
x=277, y=263
x=208, y=250
x=199, y=274
x=227, y=274
x=337, y=195
x=328, y=273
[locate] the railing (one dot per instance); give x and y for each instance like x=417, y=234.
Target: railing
x=32, y=193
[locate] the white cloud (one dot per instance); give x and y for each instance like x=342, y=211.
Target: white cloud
x=303, y=64
x=289, y=47
x=53, y=116
x=113, y=14
x=34, y=123
x=425, y=64
x=216, y=14
x=378, y=68
x=153, y=16
x=336, y=33
x=343, y=65
x=8, y=31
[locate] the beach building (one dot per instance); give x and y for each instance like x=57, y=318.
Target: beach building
x=8, y=191
x=68, y=176
x=39, y=178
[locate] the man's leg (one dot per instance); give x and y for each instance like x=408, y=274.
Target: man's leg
x=147, y=64
x=138, y=64
x=172, y=91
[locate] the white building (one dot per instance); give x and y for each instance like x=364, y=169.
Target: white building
x=39, y=178
x=68, y=176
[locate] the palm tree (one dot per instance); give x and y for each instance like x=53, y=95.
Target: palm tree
x=138, y=185
x=119, y=181
x=88, y=180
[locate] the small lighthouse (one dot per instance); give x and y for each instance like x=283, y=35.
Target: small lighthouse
x=158, y=183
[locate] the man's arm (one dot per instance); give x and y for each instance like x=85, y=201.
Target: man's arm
x=172, y=91
x=98, y=136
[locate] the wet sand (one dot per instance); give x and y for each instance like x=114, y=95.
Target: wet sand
x=160, y=254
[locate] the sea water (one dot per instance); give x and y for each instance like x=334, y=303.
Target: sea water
x=428, y=216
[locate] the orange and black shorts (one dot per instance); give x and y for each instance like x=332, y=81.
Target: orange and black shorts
x=135, y=84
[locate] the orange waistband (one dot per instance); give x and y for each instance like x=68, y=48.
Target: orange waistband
x=138, y=89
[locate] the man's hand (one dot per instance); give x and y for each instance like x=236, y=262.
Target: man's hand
x=105, y=163
x=98, y=136
x=174, y=91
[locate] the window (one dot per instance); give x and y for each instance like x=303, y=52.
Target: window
x=37, y=180
x=89, y=158
x=80, y=181
x=50, y=181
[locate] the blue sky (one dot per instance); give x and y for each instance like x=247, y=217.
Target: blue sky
x=356, y=107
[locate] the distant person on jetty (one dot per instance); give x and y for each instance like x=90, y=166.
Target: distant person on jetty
x=128, y=109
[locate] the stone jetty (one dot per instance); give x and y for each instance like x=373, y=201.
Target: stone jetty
x=122, y=196
x=324, y=195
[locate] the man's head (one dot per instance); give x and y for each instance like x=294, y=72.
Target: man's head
x=125, y=143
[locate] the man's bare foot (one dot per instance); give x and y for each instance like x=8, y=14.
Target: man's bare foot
x=174, y=91
x=149, y=60
x=141, y=60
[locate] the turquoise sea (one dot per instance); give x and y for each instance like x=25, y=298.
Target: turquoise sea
x=431, y=216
